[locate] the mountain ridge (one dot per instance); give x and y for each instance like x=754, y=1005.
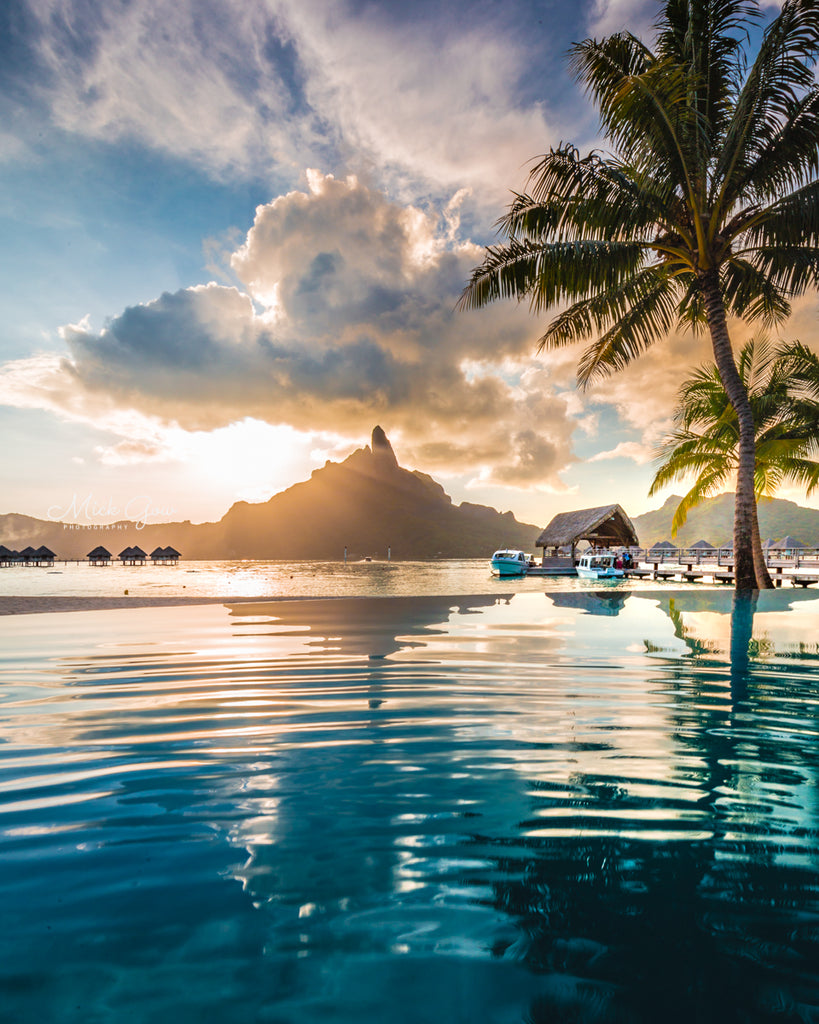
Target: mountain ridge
x=713, y=521
x=367, y=504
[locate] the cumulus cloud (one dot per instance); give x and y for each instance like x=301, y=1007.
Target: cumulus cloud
x=345, y=318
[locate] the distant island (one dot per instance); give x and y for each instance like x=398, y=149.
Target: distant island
x=370, y=505
x=367, y=504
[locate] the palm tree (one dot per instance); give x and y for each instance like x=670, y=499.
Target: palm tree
x=782, y=383
x=707, y=208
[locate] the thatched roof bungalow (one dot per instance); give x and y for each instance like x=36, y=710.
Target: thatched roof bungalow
x=702, y=545
x=165, y=556
x=6, y=554
x=44, y=554
x=605, y=526
x=99, y=556
x=132, y=556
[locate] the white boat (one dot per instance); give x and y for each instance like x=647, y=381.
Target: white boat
x=508, y=562
x=598, y=565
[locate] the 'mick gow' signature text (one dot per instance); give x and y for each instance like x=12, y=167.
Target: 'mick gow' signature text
x=88, y=513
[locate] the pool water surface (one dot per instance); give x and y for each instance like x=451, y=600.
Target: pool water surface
x=517, y=807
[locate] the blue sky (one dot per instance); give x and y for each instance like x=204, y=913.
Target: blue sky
x=233, y=234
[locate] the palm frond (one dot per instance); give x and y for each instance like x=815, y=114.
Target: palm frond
x=751, y=295
x=643, y=106
x=569, y=197
x=770, y=97
x=788, y=160
x=707, y=484
x=794, y=220
x=604, y=309
x=648, y=317
x=550, y=272
x=787, y=270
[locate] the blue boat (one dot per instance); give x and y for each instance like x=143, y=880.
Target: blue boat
x=508, y=562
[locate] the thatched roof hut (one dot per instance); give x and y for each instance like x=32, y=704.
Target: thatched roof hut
x=44, y=554
x=605, y=526
x=664, y=545
x=133, y=556
x=99, y=556
x=166, y=556
x=789, y=544
x=6, y=554
x=28, y=554
x=702, y=545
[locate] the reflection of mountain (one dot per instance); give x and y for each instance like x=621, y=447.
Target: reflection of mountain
x=371, y=627
x=601, y=602
x=367, y=504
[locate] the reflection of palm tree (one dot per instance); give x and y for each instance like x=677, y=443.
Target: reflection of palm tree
x=780, y=381
x=742, y=627
x=708, y=209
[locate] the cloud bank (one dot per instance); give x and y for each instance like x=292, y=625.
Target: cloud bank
x=343, y=316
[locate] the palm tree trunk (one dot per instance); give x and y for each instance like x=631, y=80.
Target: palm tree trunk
x=763, y=577
x=745, y=504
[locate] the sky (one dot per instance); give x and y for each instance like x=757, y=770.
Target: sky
x=233, y=236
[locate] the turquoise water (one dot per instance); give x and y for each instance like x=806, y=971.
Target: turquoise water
x=580, y=805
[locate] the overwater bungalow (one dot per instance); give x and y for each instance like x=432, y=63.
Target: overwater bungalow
x=132, y=556
x=702, y=545
x=44, y=556
x=28, y=555
x=99, y=556
x=6, y=555
x=606, y=526
x=165, y=556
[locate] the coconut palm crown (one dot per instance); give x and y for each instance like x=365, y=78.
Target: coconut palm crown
x=782, y=382
x=707, y=207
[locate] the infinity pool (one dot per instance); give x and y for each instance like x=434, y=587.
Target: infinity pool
x=571, y=806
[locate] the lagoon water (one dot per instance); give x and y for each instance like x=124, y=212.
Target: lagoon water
x=271, y=579
x=541, y=803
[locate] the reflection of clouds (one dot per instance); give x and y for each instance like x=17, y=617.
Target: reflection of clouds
x=418, y=786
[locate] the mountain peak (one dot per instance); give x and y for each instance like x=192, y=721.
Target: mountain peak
x=382, y=448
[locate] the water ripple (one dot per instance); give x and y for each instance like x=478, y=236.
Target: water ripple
x=576, y=810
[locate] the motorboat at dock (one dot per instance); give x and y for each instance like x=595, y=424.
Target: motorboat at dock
x=598, y=565
x=509, y=562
